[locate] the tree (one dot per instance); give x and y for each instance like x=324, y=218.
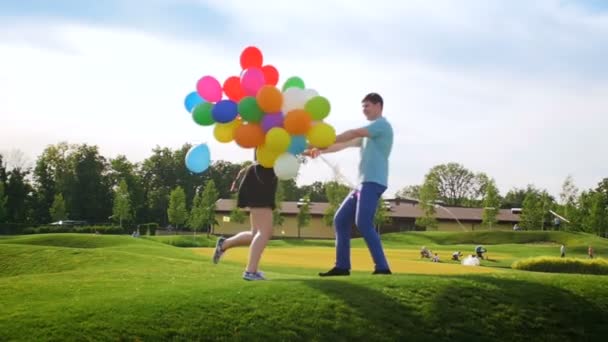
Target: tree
x=18, y=191
x=596, y=219
x=208, y=205
x=177, y=212
x=122, y=169
x=428, y=195
x=458, y=186
x=568, y=204
x=236, y=214
x=532, y=212
x=57, y=211
x=3, y=200
x=304, y=216
x=277, y=218
x=335, y=193
x=90, y=194
x=52, y=175
x=382, y=215
x=515, y=198
x=410, y=192
x=2, y=171
x=122, y=203
x=314, y=191
x=291, y=191
x=491, y=203
x=196, y=221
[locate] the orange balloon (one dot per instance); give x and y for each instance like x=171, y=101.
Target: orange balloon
x=249, y=135
x=297, y=122
x=270, y=99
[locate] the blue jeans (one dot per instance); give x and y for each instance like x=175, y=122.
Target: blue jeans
x=359, y=207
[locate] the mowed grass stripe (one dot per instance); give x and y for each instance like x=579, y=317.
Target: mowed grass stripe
x=400, y=260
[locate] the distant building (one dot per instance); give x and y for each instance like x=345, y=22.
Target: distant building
x=403, y=213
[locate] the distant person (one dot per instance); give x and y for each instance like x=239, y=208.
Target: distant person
x=456, y=256
x=557, y=223
x=479, y=250
x=436, y=258
x=425, y=252
x=562, y=251
x=516, y=227
x=590, y=251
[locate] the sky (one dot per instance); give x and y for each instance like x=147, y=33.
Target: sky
x=516, y=89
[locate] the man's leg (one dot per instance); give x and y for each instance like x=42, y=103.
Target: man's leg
x=366, y=210
x=343, y=223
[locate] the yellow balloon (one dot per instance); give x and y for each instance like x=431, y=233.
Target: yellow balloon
x=321, y=135
x=266, y=157
x=224, y=132
x=277, y=140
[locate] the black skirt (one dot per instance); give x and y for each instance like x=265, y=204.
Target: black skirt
x=258, y=188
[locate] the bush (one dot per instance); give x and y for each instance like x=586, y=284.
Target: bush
x=148, y=228
x=73, y=229
x=562, y=265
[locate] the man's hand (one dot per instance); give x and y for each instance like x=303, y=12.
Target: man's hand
x=312, y=153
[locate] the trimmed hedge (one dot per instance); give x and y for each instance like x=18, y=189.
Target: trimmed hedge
x=74, y=229
x=562, y=265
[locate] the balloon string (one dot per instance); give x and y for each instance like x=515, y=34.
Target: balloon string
x=337, y=174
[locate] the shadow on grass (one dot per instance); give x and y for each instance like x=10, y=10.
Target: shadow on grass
x=480, y=308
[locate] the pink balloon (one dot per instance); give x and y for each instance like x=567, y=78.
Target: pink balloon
x=209, y=89
x=252, y=80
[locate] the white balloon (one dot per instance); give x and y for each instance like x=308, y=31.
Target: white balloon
x=309, y=94
x=293, y=98
x=286, y=166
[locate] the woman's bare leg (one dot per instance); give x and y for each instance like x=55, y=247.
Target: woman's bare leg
x=242, y=238
x=261, y=219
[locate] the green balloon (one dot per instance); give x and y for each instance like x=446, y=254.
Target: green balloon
x=293, y=82
x=318, y=107
x=249, y=109
x=202, y=114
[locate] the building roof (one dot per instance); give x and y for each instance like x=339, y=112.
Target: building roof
x=400, y=210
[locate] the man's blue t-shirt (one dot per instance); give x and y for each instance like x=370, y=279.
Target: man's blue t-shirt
x=375, y=151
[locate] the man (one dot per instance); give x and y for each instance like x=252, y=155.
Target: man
x=375, y=142
x=562, y=251
x=479, y=250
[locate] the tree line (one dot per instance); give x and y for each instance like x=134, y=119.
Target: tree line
x=452, y=184
x=71, y=181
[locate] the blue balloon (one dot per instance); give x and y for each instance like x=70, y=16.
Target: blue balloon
x=198, y=158
x=297, y=145
x=192, y=100
x=225, y=111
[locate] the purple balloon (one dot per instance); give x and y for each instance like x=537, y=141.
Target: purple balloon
x=252, y=80
x=271, y=120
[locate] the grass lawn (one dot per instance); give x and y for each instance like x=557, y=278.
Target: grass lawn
x=67, y=287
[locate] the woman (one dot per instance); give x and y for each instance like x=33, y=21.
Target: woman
x=257, y=192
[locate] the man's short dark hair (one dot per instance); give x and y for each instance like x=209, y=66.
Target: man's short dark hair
x=374, y=98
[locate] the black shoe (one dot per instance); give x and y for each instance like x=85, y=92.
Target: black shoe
x=382, y=272
x=335, y=272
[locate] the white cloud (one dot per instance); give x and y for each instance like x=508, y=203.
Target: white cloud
x=123, y=89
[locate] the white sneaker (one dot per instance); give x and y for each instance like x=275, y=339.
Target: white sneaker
x=217, y=254
x=253, y=276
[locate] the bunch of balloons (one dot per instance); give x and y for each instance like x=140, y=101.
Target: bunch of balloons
x=252, y=112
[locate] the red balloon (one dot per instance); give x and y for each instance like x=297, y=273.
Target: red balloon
x=232, y=88
x=271, y=74
x=251, y=57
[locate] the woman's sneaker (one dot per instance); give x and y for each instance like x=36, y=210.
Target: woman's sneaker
x=217, y=254
x=253, y=276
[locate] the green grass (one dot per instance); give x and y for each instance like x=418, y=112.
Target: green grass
x=563, y=265
x=67, y=287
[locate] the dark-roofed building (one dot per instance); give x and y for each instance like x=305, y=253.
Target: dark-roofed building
x=403, y=215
